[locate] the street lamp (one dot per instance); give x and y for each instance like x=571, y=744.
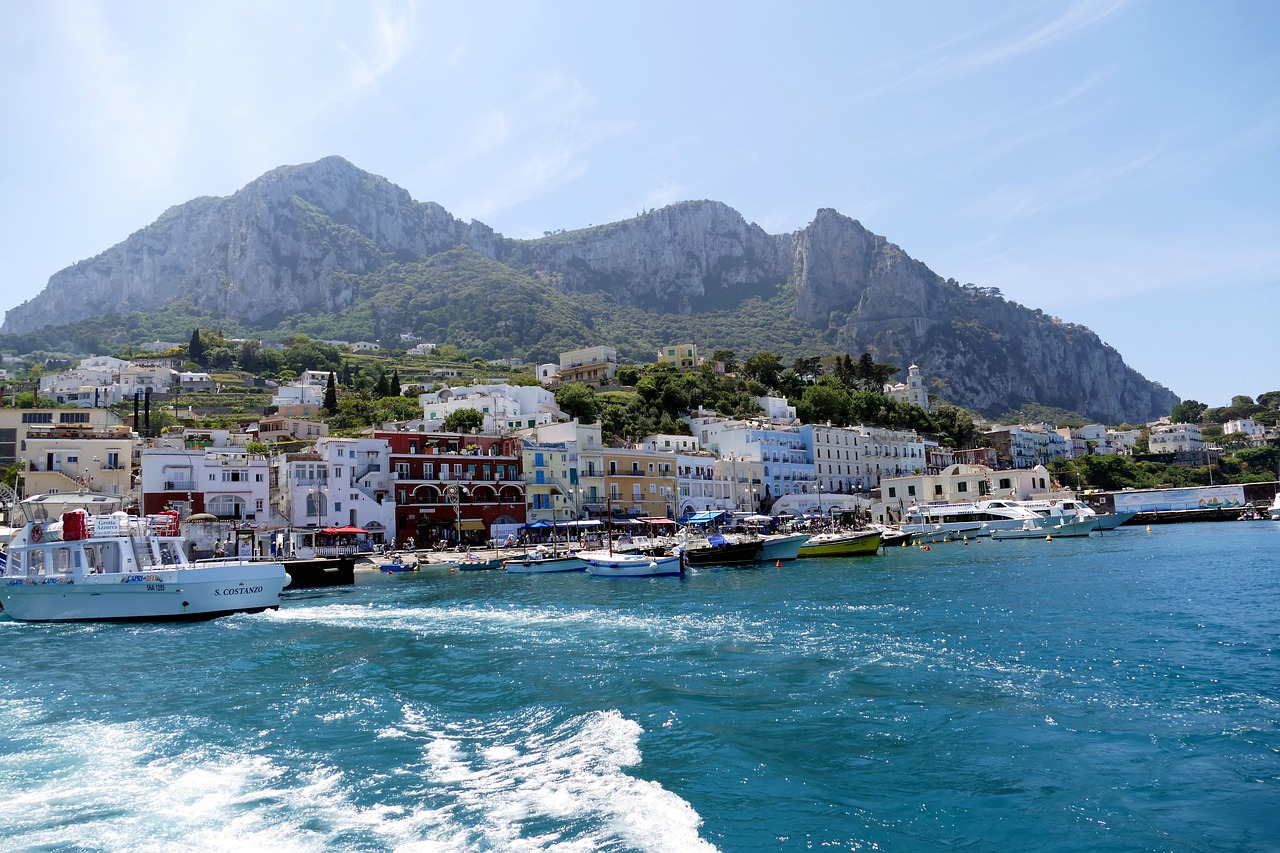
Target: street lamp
x=453, y=494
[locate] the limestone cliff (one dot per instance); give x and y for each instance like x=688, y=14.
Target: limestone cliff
x=304, y=238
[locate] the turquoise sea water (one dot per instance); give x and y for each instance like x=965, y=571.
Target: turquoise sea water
x=1116, y=693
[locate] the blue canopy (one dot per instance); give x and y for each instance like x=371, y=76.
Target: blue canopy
x=539, y=525
x=706, y=517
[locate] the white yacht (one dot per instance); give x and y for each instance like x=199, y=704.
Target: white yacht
x=1274, y=509
x=971, y=519
x=80, y=558
x=1070, y=508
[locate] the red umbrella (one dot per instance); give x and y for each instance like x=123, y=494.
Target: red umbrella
x=348, y=530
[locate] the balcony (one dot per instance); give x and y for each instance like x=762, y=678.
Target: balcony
x=179, y=485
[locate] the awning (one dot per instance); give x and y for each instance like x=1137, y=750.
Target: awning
x=538, y=525
x=348, y=530
x=705, y=517
x=472, y=524
x=656, y=520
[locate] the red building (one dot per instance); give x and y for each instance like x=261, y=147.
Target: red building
x=447, y=484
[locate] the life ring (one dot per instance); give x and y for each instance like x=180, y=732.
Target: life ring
x=37, y=533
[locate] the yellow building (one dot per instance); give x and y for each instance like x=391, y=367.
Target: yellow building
x=640, y=482
x=680, y=356
x=588, y=365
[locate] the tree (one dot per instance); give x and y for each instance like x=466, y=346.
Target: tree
x=823, y=403
x=1187, y=412
x=463, y=420
x=580, y=401
x=954, y=426
x=727, y=358
x=381, y=388
x=763, y=367
x=628, y=374
x=395, y=382
x=195, y=350
x=331, y=396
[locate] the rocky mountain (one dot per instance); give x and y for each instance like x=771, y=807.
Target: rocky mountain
x=317, y=238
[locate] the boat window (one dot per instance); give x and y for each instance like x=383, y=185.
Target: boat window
x=62, y=560
x=35, y=562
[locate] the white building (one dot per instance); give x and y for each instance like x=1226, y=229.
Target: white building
x=548, y=373
x=1175, y=438
x=299, y=400
x=911, y=392
x=207, y=471
x=138, y=379
x=343, y=481
x=776, y=409
x=1123, y=441
x=1246, y=426
x=504, y=406
x=1029, y=445
x=852, y=460
x=785, y=464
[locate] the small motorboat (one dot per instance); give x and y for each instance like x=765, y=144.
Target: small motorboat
x=716, y=550
x=534, y=564
x=605, y=564
x=853, y=543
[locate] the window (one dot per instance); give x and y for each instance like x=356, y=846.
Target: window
x=937, y=490
x=73, y=417
x=962, y=487
x=893, y=492
x=37, y=417
x=1005, y=483
x=911, y=491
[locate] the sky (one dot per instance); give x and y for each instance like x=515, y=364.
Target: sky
x=1115, y=163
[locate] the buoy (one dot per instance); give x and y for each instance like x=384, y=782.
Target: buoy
x=904, y=543
x=1148, y=528
x=926, y=547
x=778, y=565
x=966, y=537
x=451, y=571
x=1048, y=538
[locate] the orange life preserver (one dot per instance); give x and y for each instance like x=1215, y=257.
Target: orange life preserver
x=37, y=533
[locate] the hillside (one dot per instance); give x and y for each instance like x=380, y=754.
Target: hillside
x=335, y=251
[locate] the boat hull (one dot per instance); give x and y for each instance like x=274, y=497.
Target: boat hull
x=848, y=546
x=320, y=572
x=776, y=548
x=1054, y=531
x=1110, y=521
x=544, y=565
x=186, y=594
x=631, y=566
x=730, y=554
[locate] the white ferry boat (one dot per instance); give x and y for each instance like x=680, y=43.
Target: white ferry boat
x=80, y=558
x=970, y=519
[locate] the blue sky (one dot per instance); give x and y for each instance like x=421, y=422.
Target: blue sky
x=1113, y=163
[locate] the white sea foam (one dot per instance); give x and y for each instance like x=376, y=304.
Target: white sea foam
x=526, y=621
x=522, y=784
x=558, y=787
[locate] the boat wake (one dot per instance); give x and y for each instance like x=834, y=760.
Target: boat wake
x=524, y=783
